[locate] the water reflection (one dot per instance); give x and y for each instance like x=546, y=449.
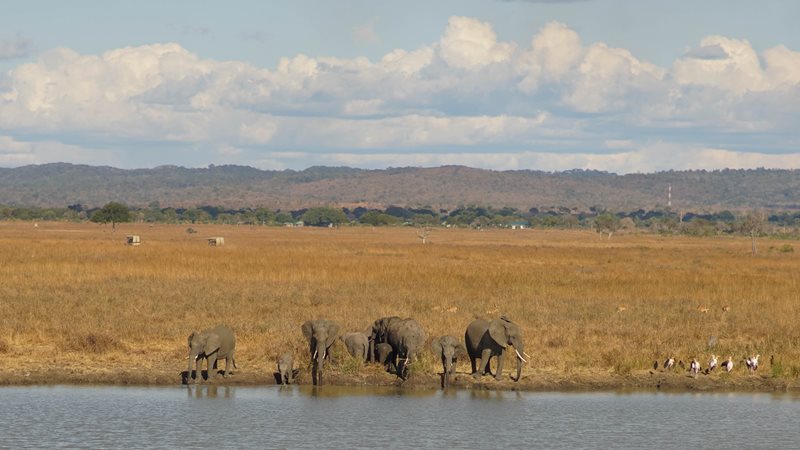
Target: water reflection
x=341, y=417
x=210, y=391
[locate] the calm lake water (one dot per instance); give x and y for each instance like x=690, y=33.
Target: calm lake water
x=336, y=417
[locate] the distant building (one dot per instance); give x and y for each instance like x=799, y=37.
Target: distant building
x=518, y=225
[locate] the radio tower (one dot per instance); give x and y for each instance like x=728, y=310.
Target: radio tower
x=669, y=196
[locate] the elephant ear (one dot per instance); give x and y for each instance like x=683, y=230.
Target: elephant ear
x=191, y=337
x=498, y=333
x=333, y=332
x=307, y=330
x=213, y=343
x=436, y=346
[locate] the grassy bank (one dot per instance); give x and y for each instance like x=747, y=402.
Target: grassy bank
x=77, y=305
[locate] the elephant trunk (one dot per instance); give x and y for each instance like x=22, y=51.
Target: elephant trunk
x=319, y=354
x=192, y=358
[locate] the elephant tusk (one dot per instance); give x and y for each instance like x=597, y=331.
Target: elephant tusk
x=315, y=355
x=527, y=355
x=520, y=356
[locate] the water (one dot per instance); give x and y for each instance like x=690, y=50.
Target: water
x=336, y=417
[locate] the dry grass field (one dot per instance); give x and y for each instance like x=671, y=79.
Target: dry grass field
x=77, y=305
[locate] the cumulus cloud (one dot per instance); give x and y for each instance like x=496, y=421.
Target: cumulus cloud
x=466, y=98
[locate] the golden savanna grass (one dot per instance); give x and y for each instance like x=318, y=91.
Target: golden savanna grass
x=74, y=299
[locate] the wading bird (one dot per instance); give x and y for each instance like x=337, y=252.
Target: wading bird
x=752, y=363
x=712, y=363
x=694, y=367
x=728, y=365
x=669, y=363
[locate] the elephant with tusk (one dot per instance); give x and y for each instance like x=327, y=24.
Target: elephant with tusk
x=485, y=339
x=321, y=335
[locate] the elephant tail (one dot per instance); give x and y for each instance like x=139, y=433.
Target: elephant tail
x=233, y=360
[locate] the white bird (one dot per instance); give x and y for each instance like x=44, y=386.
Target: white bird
x=752, y=363
x=669, y=363
x=712, y=363
x=694, y=367
x=728, y=365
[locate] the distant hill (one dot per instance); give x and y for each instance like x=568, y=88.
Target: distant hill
x=61, y=184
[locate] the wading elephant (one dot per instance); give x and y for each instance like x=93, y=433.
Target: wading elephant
x=485, y=339
x=321, y=335
x=212, y=345
x=378, y=332
x=407, y=338
x=448, y=350
x=357, y=344
x=285, y=368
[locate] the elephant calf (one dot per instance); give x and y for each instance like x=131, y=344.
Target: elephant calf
x=212, y=344
x=384, y=356
x=448, y=350
x=285, y=368
x=357, y=345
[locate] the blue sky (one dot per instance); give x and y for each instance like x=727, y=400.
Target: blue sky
x=623, y=86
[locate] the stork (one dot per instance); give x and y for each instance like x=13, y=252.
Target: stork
x=728, y=365
x=712, y=363
x=669, y=363
x=694, y=367
x=752, y=363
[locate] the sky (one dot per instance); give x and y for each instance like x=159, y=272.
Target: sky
x=617, y=85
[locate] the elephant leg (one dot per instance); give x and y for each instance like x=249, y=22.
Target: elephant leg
x=474, y=368
x=212, y=366
x=486, y=355
x=500, y=359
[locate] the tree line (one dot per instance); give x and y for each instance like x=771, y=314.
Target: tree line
x=665, y=221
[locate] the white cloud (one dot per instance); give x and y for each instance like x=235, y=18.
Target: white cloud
x=469, y=44
x=467, y=98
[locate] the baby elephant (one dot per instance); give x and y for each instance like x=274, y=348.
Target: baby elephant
x=385, y=356
x=357, y=344
x=285, y=368
x=448, y=349
x=212, y=345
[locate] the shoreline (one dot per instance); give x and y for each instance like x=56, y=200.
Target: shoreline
x=654, y=381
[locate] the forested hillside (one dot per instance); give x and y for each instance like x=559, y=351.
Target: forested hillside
x=58, y=185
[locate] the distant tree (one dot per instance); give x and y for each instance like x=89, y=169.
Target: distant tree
x=283, y=217
x=606, y=223
x=752, y=224
x=377, y=218
x=323, y=216
x=265, y=216
x=112, y=212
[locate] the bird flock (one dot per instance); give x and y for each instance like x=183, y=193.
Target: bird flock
x=695, y=367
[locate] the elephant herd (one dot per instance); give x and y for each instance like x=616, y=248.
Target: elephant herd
x=394, y=342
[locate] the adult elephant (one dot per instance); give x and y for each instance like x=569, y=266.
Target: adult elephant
x=485, y=339
x=407, y=338
x=321, y=335
x=448, y=350
x=378, y=332
x=211, y=345
x=357, y=344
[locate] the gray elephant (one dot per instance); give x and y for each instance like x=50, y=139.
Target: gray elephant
x=378, y=332
x=357, y=344
x=383, y=353
x=407, y=338
x=212, y=345
x=485, y=339
x=286, y=368
x=321, y=335
x=448, y=350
